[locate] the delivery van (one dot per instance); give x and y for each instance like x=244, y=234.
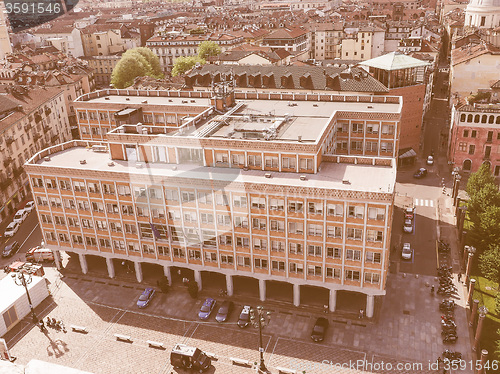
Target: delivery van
x=39, y=254
x=186, y=357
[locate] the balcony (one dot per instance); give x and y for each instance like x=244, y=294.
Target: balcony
x=27, y=127
x=54, y=138
x=9, y=140
x=37, y=136
x=48, y=111
x=38, y=117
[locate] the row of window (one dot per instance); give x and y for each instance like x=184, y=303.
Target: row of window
x=360, y=128
x=269, y=161
x=478, y=118
x=357, y=145
x=193, y=254
x=206, y=198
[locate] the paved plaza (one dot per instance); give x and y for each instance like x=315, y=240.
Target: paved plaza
x=405, y=330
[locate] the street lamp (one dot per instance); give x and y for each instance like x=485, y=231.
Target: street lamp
x=23, y=279
x=260, y=319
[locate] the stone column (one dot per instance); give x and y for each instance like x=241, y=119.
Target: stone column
x=167, y=272
x=111, y=267
x=333, y=300
x=473, y=313
x=229, y=285
x=471, y=291
x=296, y=294
x=262, y=290
x=370, y=304
x=468, y=268
x=197, y=278
x=83, y=263
x=484, y=357
x=138, y=271
x=479, y=329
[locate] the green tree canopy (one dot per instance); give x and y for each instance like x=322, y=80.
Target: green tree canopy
x=489, y=263
x=479, y=179
x=183, y=64
x=136, y=62
x=207, y=49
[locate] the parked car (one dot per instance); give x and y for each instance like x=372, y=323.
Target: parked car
x=10, y=249
x=407, y=252
x=244, y=318
x=319, y=330
x=409, y=212
x=224, y=311
x=20, y=216
x=30, y=205
x=145, y=297
x=408, y=226
x=420, y=173
x=206, y=309
x=11, y=229
x=430, y=160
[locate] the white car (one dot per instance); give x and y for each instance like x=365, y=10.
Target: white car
x=30, y=205
x=408, y=226
x=430, y=160
x=407, y=252
x=20, y=216
x=11, y=229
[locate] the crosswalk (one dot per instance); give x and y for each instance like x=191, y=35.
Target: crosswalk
x=424, y=202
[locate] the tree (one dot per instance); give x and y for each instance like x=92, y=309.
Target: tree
x=483, y=216
x=489, y=263
x=480, y=179
x=207, y=49
x=497, y=304
x=136, y=62
x=183, y=64
x=488, y=231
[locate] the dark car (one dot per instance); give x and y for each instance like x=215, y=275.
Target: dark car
x=319, y=330
x=420, y=173
x=244, y=319
x=145, y=297
x=206, y=309
x=11, y=249
x=186, y=357
x=224, y=311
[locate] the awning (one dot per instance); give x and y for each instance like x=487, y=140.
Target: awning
x=407, y=153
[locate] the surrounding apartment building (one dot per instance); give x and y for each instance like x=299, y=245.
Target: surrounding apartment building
x=474, y=136
x=169, y=47
x=294, y=40
x=326, y=40
x=102, y=66
x=31, y=119
x=362, y=43
x=287, y=189
x=65, y=37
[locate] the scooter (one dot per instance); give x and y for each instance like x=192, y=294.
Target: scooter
x=452, y=338
x=451, y=355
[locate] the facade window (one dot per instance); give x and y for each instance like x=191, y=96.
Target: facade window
x=306, y=163
x=210, y=257
x=171, y=195
x=187, y=197
x=289, y=162
x=466, y=133
x=373, y=257
x=472, y=149
x=315, y=208
x=314, y=270
x=243, y=261
x=332, y=252
x=296, y=268
x=372, y=278
x=241, y=222
x=473, y=134
x=356, y=211
x=179, y=252
x=314, y=250
x=295, y=228
x=278, y=265
x=240, y=201
x=194, y=254
x=462, y=146
x=223, y=220
x=271, y=162
x=334, y=232
x=254, y=160
x=352, y=275
x=260, y=263
x=242, y=242
x=259, y=223
x=277, y=204
x=258, y=202
x=277, y=225
x=315, y=230
x=295, y=248
x=376, y=214
x=374, y=236
x=333, y=273
x=353, y=254
x=226, y=259
x=205, y=198
x=295, y=206
x=260, y=244
x=207, y=218
x=277, y=246
x=335, y=210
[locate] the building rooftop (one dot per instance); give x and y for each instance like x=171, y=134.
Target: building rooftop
x=337, y=176
x=147, y=100
x=394, y=61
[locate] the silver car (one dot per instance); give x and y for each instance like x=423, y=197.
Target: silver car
x=407, y=252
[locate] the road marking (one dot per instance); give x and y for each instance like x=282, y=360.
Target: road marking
x=34, y=228
x=424, y=202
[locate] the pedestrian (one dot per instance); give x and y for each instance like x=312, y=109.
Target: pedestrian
x=361, y=314
x=460, y=277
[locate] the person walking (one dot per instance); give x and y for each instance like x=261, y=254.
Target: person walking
x=361, y=314
x=460, y=277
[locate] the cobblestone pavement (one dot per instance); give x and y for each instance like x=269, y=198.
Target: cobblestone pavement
x=406, y=331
